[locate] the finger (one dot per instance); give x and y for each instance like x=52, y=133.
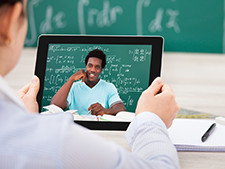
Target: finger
x=82, y=78
x=166, y=88
x=93, y=112
x=92, y=106
x=98, y=109
x=23, y=90
x=155, y=87
x=101, y=113
x=34, y=87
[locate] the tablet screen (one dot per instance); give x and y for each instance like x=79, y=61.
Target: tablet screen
x=128, y=68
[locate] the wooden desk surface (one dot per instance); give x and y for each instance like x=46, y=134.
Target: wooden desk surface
x=198, y=83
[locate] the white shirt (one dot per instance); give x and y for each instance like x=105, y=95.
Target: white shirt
x=55, y=141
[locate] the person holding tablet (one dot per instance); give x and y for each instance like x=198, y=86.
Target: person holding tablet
x=55, y=141
x=91, y=95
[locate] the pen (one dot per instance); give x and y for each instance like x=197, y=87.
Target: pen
x=208, y=132
x=89, y=112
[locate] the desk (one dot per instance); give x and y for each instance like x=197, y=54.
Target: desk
x=198, y=83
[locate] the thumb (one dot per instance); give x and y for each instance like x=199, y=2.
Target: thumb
x=34, y=87
x=155, y=87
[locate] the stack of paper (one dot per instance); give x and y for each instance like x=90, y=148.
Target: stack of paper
x=186, y=135
x=119, y=117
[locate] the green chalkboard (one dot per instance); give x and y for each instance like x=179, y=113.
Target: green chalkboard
x=186, y=25
x=128, y=68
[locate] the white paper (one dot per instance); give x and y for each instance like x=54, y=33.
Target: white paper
x=186, y=134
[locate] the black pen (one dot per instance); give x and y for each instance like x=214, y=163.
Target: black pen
x=208, y=132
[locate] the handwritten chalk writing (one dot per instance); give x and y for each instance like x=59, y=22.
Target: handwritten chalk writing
x=132, y=81
x=53, y=89
x=56, y=79
x=49, y=69
x=101, y=18
x=32, y=25
x=172, y=20
x=89, y=17
x=46, y=24
x=61, y=59
x=126, y=90
x=113, y=68
x=80, y=9
x=140, y=4
x=59, y=48
x=51, y=21
x=67, y=69
x=139, y=55
x=129, y=101
x=112, y=58
x=106, y=17
x=156, y=24
x=59, y=20
x=124, y=69
x=47, y=97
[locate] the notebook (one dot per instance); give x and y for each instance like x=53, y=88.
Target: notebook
x=122, y=116
x=186, y=135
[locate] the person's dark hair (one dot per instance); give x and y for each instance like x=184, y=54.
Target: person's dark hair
x=11, y=2
x=97, y=54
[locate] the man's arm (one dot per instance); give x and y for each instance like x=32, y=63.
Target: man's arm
x=98, y=109
x=60, y=98
x=115, y=103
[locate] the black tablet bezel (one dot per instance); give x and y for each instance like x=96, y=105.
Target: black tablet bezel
x=42, y=53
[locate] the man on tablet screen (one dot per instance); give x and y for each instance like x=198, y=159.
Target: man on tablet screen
x=90, y=95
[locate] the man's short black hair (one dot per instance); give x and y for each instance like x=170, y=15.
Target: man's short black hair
x=97, y=54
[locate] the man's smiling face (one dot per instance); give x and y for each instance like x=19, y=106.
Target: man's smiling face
x=93, y=69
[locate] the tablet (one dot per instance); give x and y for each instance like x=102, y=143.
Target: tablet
x=132, y=63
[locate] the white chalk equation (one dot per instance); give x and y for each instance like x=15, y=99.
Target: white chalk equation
x=52, y=20
x=104, y=17
x=87, y=18
x=60, y=48
x=67, y=69
x=59, y=59
x=109, y=15
x=156, y=24
x=140, y=55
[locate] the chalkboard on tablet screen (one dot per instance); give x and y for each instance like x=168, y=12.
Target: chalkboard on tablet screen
x=127, y=68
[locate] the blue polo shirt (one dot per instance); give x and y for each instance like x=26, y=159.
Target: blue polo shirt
x=81, y=96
